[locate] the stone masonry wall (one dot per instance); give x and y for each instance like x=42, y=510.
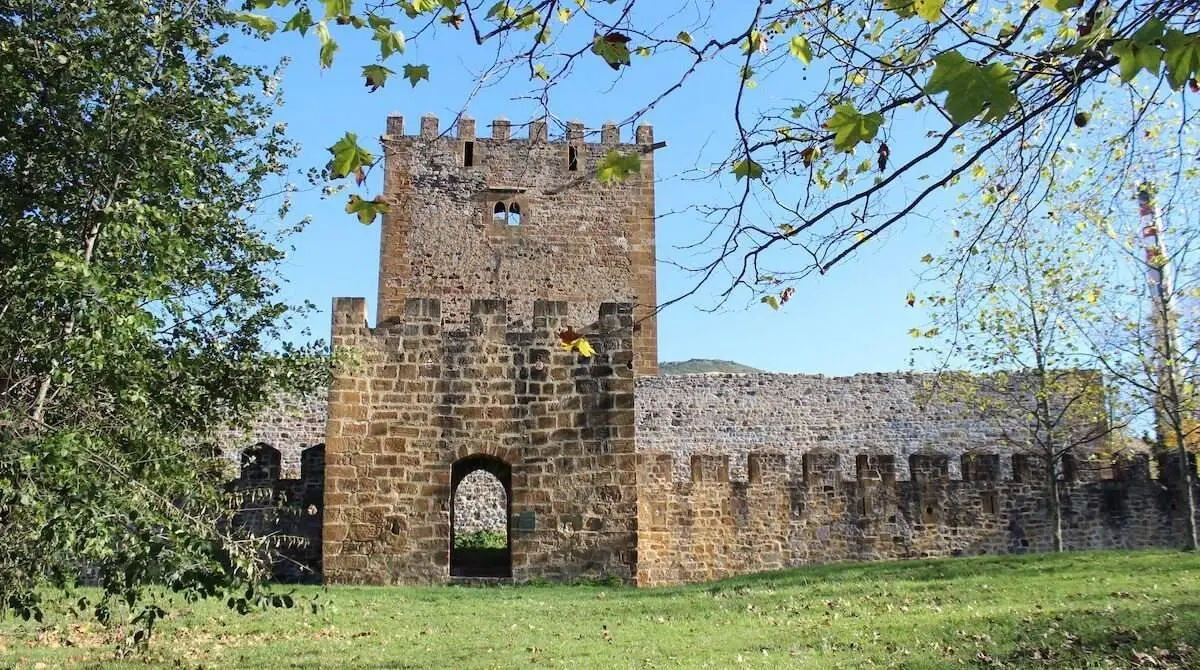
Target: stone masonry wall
x=290, y=425
x=288, y=508
x=793, y=414
x=709, y=527
x=480, y=504
x=576, y=239
x=733, y=414
x=420, y=399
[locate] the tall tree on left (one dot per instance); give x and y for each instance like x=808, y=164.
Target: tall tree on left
x=139, y=303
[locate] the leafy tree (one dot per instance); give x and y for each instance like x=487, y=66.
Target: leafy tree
x=1008, y=312
x=1157, y=354
x=995, y=88
x=1096, y=234
x=1149, y=341
x=136, y=295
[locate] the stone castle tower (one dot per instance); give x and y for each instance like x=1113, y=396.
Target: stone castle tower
x=492, y=245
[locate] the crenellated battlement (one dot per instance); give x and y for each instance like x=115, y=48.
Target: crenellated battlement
x=709, y=526
x=464, y=130
x=823, y=468
x=521, y=215
x=270, y=504
x=490, y=318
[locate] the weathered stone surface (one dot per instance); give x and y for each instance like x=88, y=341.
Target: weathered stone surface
x=575, y=239
x=480, y=503
x=725, y=413
x=436, y=398
x=290, y=425
x=708, y=527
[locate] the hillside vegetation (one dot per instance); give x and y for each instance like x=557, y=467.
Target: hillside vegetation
x=1073, y=610
x=699, y=365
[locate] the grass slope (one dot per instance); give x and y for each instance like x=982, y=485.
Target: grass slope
x=1076, y=610
x=700, y=365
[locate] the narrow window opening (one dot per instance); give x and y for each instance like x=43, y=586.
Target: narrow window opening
x=514, y=214
x=468, y=154
x=500, y=214
x=572, y=159
x=989, y=504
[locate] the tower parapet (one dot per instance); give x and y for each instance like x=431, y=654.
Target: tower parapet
x=518, y=216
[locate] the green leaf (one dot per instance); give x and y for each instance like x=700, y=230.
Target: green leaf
x=379, y=21
x=616, y=166
x=301, y=22
x=502, y=11
x=771, y=300
x=904, y=8
x=851, y=127
x=262, y=24
x=930, y=10
x=415, y=73
x=328, y=46
x=564, y=14
x=540, y=72
x=348, y=156
x=684, y=37
x=1150, y=32
x=376, y=76
x=801, y=49
x=416, y=8
x=970, y=89
x=366, y=210
x=747, y=168
x=390, y=41
x=1133, y=58
x=613, y=48
x=335, y=8
x=1060, y=5
x=527, y=20
x=1182, y=57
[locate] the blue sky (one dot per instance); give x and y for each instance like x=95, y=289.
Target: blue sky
x=853, y=319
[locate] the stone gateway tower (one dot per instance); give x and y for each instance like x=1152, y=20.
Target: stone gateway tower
x=489, y=248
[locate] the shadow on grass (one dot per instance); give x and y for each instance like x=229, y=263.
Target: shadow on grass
x=992, y=568
x=1137, y=634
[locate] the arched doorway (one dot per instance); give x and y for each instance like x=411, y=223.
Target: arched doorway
x=480, y=513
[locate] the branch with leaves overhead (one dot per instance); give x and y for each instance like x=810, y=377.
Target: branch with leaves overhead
x=988, y=84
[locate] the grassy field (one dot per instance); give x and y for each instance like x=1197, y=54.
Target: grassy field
x=1077, y=610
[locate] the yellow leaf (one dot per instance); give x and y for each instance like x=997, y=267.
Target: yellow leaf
x=580, y=345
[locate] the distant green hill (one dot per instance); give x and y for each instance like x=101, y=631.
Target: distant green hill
x=697, y=365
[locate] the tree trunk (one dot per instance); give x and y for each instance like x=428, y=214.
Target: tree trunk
x=1055, y=506
x=1187, y=478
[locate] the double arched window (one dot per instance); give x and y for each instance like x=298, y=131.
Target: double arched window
x=507, y=213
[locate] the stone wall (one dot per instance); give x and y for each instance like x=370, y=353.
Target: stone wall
x=709, y=527
x=573, y=238
x=289, y=425
x=793, y=414
x=480, y=503
x=421, y=399
x=287, y=508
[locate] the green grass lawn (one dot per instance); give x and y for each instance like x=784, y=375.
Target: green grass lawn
x=1076, y=610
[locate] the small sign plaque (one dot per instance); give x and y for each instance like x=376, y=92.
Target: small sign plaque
x=524, y=521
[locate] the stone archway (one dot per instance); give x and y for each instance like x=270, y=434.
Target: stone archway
x=471, y=520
